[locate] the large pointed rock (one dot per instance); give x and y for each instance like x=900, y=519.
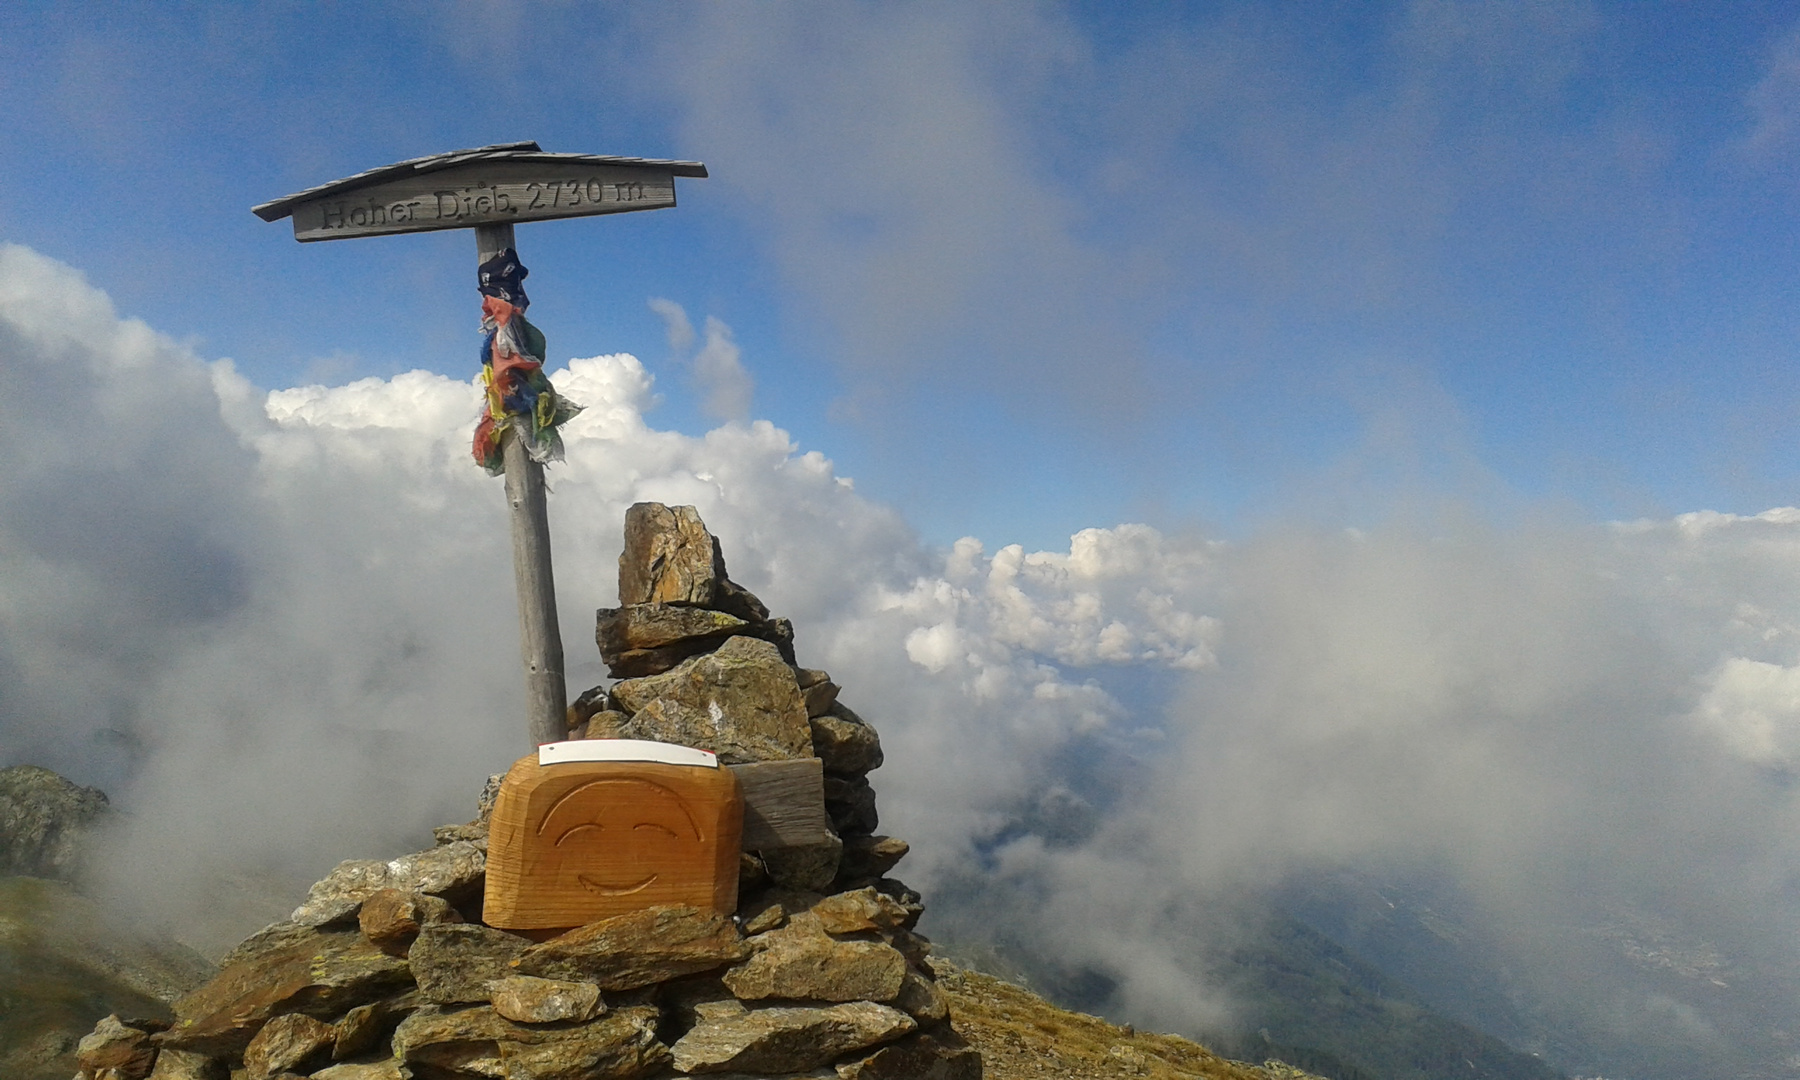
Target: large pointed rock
x=669, y=557
x=786, y=1040
x=321, y=973
x=637, y=949
x=741, y=702
x=477, y=1042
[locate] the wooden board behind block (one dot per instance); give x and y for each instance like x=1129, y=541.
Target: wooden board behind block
x=784, y=803
x=576, y=842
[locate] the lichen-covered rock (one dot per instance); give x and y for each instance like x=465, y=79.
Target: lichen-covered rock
x=358, y=1030
x=800, y=961
x=787, y=1039
x=740, y=701
x=455, y=962
x=647, y=639
x=454, y=871
x=126, y=1052
x=804, y=866
x=322, y=973
x=385, y=1069
x=391, y=918
x=476, y=1041
x=45, y=821
x=285, y=1043
x=638, y=948
x=844, y=741
x=527, y=999
x=934, y=1055
x=859, y=910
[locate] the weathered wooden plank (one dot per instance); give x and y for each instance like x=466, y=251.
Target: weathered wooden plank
x=784, y=803
x=482, y=192
x=540, y=634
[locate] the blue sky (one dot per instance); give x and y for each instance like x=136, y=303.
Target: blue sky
x=1019, y=270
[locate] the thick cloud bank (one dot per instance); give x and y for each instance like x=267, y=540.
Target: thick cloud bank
x=279, y=626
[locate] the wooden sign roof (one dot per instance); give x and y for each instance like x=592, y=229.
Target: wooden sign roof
x=490, y=185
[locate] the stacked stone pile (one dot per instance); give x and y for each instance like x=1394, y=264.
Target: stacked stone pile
x=387, y=970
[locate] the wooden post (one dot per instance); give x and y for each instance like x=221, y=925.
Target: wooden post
x=540, y=637
x=488, y=189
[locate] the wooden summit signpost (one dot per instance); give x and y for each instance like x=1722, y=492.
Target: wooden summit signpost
x=490, y=189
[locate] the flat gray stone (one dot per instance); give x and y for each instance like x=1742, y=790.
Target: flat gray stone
x=787, y=1039
x=476, y=1041
x=452, y=870
x=800, y=961
x=637, y=949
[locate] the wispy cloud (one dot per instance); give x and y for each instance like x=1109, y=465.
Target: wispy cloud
x=277, y=626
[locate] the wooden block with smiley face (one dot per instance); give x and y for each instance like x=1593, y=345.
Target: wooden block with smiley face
x=578, y=841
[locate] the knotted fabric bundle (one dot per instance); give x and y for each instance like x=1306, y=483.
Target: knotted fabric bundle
x=519, y=394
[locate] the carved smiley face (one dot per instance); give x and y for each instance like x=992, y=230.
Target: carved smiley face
x=574, y=842
x=620, y=836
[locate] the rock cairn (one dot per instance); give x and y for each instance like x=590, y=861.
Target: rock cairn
x=387, y=971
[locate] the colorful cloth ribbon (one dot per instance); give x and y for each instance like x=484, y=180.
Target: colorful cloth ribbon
x=519, y=394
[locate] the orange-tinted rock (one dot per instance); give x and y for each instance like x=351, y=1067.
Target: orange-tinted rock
x=859, y=910
x=391, y=918
x=126, y=1051
x=526, y=999
x=669, y=557
x=320, y=973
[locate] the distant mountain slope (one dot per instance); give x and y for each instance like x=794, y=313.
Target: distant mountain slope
x=64, y=964
x=1023, y=1037
x=1299, y=997
x=1630, y=994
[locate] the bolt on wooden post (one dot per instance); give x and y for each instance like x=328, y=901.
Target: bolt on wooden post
x=490, y=189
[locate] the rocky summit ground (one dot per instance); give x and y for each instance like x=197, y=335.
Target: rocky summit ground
x=1023, y=1037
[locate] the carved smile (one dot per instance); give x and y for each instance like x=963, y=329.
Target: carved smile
x=614, y=890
